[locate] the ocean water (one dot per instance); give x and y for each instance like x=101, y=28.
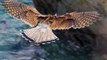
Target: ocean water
x=14, y=47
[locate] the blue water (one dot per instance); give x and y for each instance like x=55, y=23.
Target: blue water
x=14, y=47
x=11, y=45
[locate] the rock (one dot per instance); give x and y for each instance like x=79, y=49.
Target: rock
x=98, y=31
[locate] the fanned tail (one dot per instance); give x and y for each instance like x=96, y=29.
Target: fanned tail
x=39, y=34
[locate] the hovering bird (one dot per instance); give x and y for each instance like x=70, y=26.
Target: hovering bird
x=42, y=25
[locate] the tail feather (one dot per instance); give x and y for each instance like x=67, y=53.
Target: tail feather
x=39, y=34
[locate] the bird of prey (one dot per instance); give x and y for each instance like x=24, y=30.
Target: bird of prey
x=42, y=25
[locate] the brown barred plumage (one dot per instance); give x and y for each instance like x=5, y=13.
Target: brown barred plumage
x=75, y=20
x=44, y=24
x=22, y=11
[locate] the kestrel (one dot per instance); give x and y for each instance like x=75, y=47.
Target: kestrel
x=42, y=25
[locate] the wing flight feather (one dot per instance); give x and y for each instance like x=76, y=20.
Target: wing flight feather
x=74, y=20
x=22, y=11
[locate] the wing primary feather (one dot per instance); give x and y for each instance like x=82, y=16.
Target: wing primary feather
x=75, y=20
x=26, y=13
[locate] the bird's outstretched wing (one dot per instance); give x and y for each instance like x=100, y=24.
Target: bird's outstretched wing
x=43, y=33
x=74, y=20
x=22, y=11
